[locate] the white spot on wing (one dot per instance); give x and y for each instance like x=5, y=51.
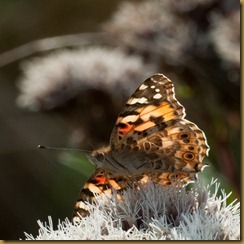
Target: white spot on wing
x=142, y=100
x=134, y=100
x=143, y=87
x=157, y=90
x=152, y=79
x=157, y=96
x=129, y=118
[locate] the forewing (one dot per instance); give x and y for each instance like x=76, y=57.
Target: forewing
x=151, y=106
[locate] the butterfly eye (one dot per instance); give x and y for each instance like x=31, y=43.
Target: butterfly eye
x=100, y=157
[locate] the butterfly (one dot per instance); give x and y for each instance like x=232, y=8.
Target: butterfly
x=151, y=140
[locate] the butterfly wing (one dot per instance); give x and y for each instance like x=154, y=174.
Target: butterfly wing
x=148, y=109
x=100, y=182
x=152, y=133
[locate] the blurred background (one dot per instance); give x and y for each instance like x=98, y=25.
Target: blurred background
x=67, y=68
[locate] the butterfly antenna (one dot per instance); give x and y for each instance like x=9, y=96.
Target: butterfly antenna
x=64, y=149
x=94, y=149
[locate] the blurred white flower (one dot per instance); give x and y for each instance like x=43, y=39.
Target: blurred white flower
x=153, y=213
x=189, y=5
x=55, y=78
x=152, y=27
x=225, y=35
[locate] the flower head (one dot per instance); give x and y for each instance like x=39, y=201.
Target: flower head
x=50, y=81
x=152, y=27
x=153, y=213
x=225, y=36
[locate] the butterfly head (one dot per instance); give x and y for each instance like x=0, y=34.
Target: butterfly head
x=98, y=157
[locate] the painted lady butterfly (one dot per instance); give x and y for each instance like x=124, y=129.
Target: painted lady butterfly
x=150, y=140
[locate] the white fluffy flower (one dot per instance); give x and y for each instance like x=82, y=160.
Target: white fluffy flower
x=153, y=213
x=152, y=27
x=225, y=35
x=53, y=79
